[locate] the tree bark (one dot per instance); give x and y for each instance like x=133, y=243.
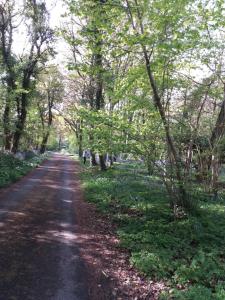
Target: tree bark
x=93, y=159
x=99, y=99
x=44, y=143
x=217, y=134
x=20, y=123
x=102, y=162
x=6, y=125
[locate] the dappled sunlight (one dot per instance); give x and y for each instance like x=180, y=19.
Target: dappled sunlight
x=67, y=201
x=38, y=226
x=17, y=213
x=41, y=225
x=65, y=237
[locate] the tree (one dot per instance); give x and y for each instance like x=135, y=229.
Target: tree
x=147, y=93
x=8, y=62
x=41, y=36
x=50, y=92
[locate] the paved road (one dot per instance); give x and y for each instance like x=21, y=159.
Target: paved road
x=39, y=257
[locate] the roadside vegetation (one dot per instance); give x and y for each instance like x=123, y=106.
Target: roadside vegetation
x=12, y=168
x=187, y=254
x=143, y=79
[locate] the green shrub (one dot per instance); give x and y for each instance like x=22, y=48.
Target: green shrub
x=196, y=292
x=11, y=168
x=188, y=253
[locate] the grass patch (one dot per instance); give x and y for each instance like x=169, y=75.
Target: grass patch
x=11, y=168
x=187, y=254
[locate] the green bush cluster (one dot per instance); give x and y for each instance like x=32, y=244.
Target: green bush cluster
x=187, y=254
x=11, y=168
x=195, y=292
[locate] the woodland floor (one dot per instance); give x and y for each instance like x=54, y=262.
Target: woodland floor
x=54, y=245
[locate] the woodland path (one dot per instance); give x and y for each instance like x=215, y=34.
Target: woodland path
x=39, y=256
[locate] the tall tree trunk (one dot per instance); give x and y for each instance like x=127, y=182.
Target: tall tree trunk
x=80, y=145
x=219, y=127
x=111, y=159
x=215, y=165
x=44, y=142
x=21, y=119
x=60, y=142
x=6, y=38
x=217, y=134
x=80, y=150
x=93, y=159
x=102, y=162
x=99, y=99
x=6, y=125
x=79, y=135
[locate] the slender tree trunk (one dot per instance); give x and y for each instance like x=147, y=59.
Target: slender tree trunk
x=11, y=86
x=6, y=39
x=21, y=119
x=111, y=159
x=99, y=99
x=18, y=134
x=60, y=143
x=215, y=157
x=7, y=132
x=44, y=143
x=219, y=128
x=177, y=160
x=102, y=162
x=80, y=146
x=215, y=173
x=150, y=167
x=80, y=139
x=93, y=159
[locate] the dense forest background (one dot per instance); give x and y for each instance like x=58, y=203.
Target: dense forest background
x=143, y=81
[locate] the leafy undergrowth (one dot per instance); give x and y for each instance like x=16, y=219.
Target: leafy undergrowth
x=11, y=168
x=187, y=254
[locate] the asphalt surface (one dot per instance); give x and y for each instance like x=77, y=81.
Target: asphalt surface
x=39, y=256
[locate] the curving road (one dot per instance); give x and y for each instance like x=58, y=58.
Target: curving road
x=39, y=256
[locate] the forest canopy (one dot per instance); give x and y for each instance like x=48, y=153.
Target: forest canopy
x=141, y=79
